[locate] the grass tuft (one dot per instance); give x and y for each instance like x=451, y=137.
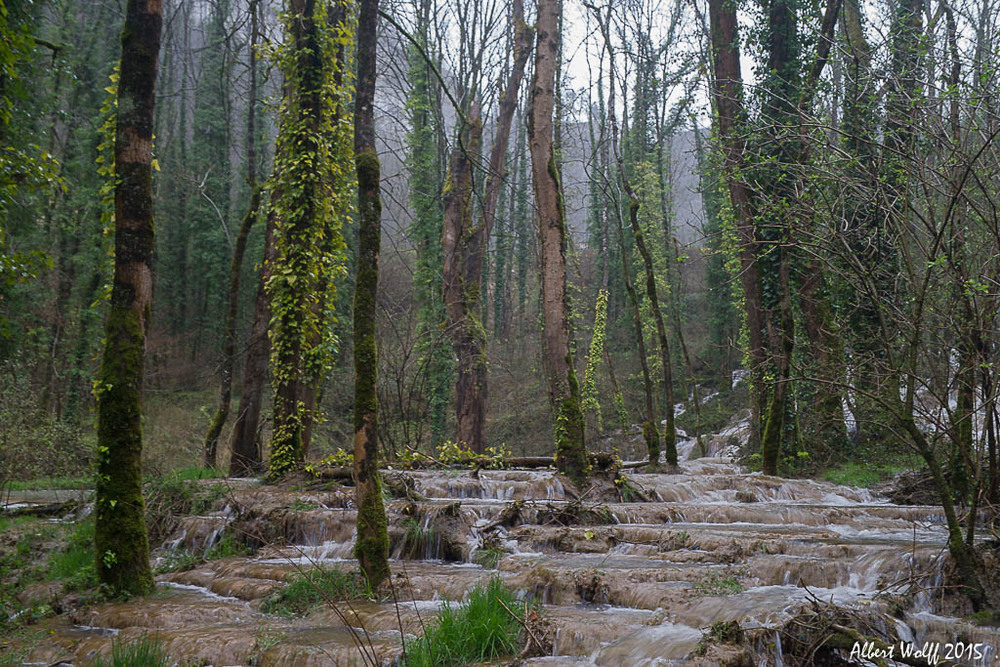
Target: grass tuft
x=309, y=590
x=478, y=630
x=145, y=651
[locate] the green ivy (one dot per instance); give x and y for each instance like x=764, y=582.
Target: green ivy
x=312, y=199
x=588, y=399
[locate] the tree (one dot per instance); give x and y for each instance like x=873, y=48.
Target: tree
x=564, y=389
x=465, y=246
x=309, y=205
x=120, y=540
x=372, y=545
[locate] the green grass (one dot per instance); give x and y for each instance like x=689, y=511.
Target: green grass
x=869, y=474
x=478, y=630
x=143, y=652
x=308, y=590
x=75, y=564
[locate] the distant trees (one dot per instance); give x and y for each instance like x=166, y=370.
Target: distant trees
x=121, y=545
x=865, y=231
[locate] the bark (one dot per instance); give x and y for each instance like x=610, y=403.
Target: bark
x=244, y=442
x=372, y=544
x=120, y=542
x=564, y=390
x=465, y=245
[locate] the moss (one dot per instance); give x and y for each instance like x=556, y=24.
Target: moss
x=372, y=545
x=652, y=437
x=571, y=451
x=770, y=443
x=120, y=540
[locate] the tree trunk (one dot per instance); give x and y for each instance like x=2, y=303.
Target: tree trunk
x=229, y=336
x=670, y=432
x=372, y=545
x=120, y=541
x=244, y=442
x=650, y=434
x=564, y=390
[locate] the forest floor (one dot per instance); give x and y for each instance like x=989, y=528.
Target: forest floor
x=708, y=564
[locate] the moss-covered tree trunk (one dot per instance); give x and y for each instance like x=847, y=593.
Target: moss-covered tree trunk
x=372, y=544
x=120, y=540
x=564, y=390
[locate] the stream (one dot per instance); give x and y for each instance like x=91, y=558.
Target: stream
x=621, y=583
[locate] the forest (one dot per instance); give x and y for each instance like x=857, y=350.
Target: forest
x=458, y=332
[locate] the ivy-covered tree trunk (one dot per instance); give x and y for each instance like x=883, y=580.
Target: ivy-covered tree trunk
x=564, y=389
x=309, y=206
x=120, y=541
x=372, y=545
x=727, y=96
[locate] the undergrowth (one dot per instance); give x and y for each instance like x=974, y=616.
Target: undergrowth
x=870, y=473
x=478, y=630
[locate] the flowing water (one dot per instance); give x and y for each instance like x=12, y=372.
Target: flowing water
x=623, y=583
